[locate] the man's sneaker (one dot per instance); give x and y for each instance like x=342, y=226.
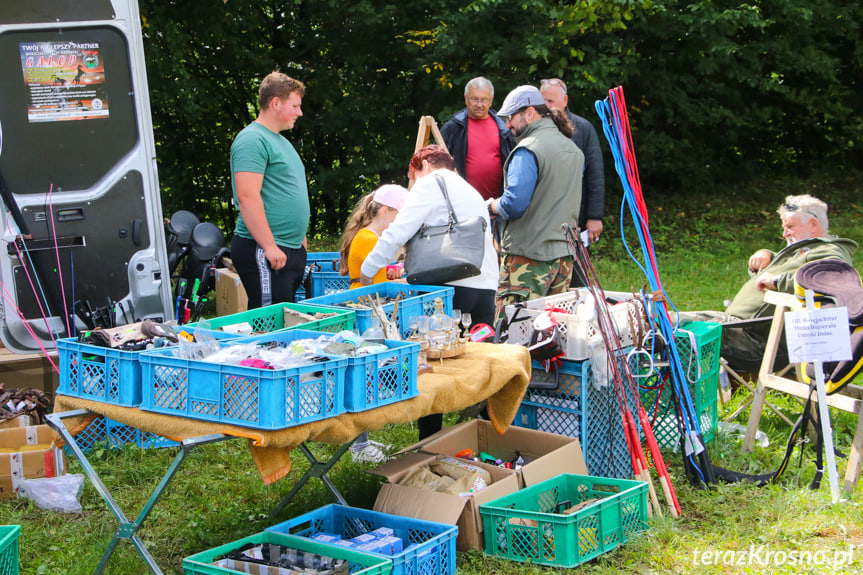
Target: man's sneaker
x=371, y=452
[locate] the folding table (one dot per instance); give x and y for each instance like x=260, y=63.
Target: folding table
x=496, y=373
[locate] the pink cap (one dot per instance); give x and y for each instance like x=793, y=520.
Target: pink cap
x=391, y=195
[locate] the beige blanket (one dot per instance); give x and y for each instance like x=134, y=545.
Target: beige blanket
x=497, y=373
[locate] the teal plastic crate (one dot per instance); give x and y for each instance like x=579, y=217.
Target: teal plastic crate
x=700, y=362
x=374, y=379
x=416, y=300
x=529, y=525
x=245, y=396
x=272, y=318
x=434, y=551
x=325, y=276
x=99, y=373
x=360, y=563
x=9, y=549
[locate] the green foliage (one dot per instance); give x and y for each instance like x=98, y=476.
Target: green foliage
x=716, y=90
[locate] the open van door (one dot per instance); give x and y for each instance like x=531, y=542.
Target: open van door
x=77, y=173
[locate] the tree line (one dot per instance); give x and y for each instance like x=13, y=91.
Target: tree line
x=717, y=90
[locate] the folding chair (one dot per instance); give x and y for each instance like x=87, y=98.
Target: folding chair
x=748, y=357
x=848, y=399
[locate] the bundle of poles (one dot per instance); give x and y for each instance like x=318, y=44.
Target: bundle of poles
x=615, y=122
x=626, y=390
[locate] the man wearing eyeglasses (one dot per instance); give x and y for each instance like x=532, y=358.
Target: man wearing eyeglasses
x=478, y=139
x=585, y=137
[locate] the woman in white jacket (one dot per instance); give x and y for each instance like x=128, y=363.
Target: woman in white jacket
x=425, y=204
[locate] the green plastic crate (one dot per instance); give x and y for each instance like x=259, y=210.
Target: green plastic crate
x=701, y=366
x=271, y=318
x=360, y=563
x=9, y=549
x=529, y=525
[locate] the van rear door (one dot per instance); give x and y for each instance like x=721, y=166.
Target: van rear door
x=77, y=172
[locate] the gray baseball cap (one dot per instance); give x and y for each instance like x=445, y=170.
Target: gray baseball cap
x=521, y=97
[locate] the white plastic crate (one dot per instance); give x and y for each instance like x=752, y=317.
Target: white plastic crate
x=578, y=323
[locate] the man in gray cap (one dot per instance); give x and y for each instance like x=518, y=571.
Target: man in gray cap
x=542, y=191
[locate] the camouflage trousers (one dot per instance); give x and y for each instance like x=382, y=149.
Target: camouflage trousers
x=523, y=279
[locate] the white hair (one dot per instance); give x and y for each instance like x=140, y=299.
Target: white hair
x=479, y=82
x=807, y=207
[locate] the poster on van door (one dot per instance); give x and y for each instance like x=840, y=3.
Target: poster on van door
x=64, y=80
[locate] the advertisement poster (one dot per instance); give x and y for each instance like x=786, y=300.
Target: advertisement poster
x=64, y=80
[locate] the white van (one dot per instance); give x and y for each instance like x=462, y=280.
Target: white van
x=77, y=173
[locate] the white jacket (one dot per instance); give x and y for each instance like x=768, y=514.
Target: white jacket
x=426, y=205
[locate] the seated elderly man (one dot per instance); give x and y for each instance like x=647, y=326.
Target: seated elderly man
x=805, y=229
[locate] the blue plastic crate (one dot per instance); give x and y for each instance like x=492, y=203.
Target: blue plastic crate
x=561, y=410
x=434, y=553
x=578, y=408
x=115, y=435
x=324, y=274
x=416, y=300
x=375, y=379
x=329, y=282
x=99, y=373
x=239, y=395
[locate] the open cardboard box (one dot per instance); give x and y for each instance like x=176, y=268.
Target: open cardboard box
x=29, y=464
x=440, y=507
x=547, y=454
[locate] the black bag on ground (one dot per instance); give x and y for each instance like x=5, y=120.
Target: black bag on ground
x=441, y=254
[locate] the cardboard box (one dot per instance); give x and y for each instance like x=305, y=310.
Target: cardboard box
x=230, y=293
x=19, y=421
x=548, y=454
x=33, y=370
x=440, y=507
x=18, y=465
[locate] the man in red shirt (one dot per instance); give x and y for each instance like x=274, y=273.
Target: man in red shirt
x=478, y=139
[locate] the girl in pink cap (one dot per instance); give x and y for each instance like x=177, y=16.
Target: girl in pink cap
x=371, y=216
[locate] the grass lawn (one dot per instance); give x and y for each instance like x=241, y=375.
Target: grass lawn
x=702, y=245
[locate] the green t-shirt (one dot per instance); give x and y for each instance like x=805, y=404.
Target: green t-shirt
x=284, y=191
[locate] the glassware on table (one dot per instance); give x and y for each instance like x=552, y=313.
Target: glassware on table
x=466, y=321
x=412, y=324
x=423, y=326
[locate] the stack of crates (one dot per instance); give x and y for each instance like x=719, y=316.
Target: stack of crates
x=567, y=401
x=698, y=345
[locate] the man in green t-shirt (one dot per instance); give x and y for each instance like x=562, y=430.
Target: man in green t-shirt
x=270, y=191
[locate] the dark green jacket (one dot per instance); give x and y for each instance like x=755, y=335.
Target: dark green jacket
x=749, y=304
